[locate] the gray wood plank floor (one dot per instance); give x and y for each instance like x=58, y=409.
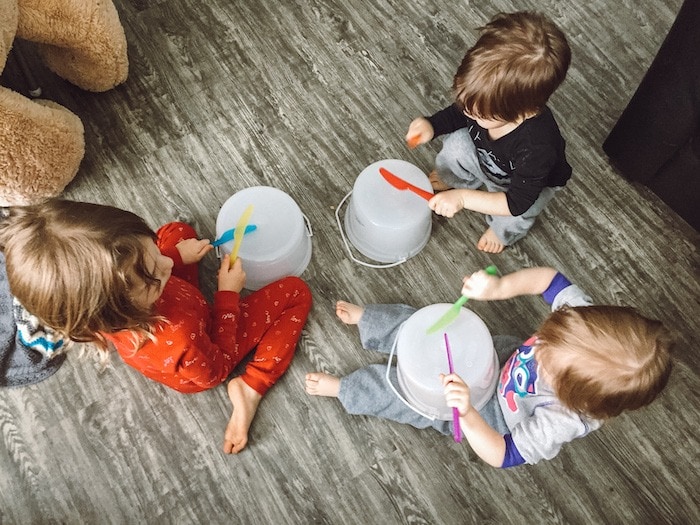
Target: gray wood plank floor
x=302, y=95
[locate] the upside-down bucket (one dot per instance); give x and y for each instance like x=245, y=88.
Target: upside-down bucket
x=384, y=223
x=421, y=358
x=279, y=246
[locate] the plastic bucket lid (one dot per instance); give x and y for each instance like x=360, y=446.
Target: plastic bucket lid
x=279, y=246
x=422, y=357
x=384, y=223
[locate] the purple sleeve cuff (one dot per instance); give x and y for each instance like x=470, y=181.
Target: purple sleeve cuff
x=513, y=457
x=557, y=285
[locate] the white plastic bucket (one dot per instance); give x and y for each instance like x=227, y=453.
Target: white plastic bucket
x=421, y=358
x=281, y=243
x=384, y=223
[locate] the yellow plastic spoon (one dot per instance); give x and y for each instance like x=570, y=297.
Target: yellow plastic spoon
x=239, y=232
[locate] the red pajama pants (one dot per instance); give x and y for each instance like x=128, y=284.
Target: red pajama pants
x=270, y=319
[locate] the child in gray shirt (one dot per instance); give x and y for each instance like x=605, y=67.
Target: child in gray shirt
x=584, y=365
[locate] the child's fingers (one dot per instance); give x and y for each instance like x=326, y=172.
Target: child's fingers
x=436, y=202
x=204, y=247
x=441, y=205
x=413, y=141
x=451, y=379
x=235, y=266
x=478, y=278
x=469, y=280
x=414, y=127
x=201, y=247
x=457, y=394
x=479, y=284
x=415, y=130
x=192, y=250
x=231, y=276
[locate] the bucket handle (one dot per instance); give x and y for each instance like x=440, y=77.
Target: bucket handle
x=309, y=231
x=347, y=245
x=391, y=385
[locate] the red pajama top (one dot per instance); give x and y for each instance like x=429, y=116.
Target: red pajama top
x=197, y=346
x=194, y=349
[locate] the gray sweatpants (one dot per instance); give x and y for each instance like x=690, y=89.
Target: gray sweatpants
x=366, y=391
x=458, y=166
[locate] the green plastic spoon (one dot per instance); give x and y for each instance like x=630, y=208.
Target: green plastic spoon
x=453, y=312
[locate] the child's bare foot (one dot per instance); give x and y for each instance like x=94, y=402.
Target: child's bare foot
x=245, y=402
x=348, y=313
x=490, y=243
x=320, y=384
x=437, y=183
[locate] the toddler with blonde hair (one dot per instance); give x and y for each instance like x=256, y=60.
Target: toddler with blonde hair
x=100, y=274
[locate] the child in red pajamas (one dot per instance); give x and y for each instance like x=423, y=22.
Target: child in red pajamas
x=139, y=291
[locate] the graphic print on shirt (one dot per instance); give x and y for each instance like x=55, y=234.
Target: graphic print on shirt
x=488, y=160
x=519, y=375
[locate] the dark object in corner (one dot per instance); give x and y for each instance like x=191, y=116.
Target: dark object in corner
x=656, y=141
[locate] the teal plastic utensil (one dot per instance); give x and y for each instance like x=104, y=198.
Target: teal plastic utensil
x=228, y=234
x=453, y=312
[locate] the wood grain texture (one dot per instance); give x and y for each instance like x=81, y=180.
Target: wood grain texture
x=302, y=95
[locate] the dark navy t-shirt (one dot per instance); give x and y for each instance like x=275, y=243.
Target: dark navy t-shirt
x=526, y=160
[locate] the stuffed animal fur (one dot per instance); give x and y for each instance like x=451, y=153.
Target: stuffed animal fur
x=41, y=142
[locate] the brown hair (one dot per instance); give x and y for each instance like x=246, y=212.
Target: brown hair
x=603, y=360
x=74, y=264
x=516, y=64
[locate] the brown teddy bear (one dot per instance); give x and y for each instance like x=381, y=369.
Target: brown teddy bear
x=41, y=142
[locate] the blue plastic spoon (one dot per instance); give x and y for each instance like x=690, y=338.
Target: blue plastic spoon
x=228, y=235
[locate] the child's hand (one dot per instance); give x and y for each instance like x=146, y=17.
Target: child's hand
x=192, y=250
x=420, y=131
x=457, y=393
x=480, y=285
x=446, y=203
x=231, y=276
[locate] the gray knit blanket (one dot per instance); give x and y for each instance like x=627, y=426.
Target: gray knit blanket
x=29, y=352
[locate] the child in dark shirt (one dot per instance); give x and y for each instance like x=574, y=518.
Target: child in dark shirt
x=500, y=133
